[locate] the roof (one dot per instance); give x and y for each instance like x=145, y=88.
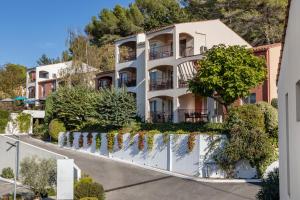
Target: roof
x=283, y=36
x=266, y=47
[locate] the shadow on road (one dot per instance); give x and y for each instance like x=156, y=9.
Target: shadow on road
x=140, y=183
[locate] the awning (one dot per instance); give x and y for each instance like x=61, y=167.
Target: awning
x=19, y=98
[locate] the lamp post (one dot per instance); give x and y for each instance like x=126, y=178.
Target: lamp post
x=16, y=145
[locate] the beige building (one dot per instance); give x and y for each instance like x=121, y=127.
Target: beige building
x=156, y=66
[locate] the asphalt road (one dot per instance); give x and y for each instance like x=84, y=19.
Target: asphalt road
x=126, y=182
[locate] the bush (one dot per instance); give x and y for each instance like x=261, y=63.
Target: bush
x=73, y=105
x=116, y=108
x=38, y=174
x=24, y=121
x=247, y=140
x=89, y=198
x=270, y=118
x=270, y=187
x=7, y=173
x=85, y=187
x=39, y=130
x=4, y=118
x=274, y=103
x=55, y=127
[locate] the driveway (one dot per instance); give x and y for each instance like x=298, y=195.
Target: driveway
x=126, y=182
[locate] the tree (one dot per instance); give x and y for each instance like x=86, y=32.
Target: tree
x=45, y=60
x=227, y=74
x=38, y=174
x=259, y=22
x=12, y=79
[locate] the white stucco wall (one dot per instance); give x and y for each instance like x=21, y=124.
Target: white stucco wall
x=289, y=127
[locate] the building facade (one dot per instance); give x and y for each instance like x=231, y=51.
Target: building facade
x=289, y=107
x=155, y=66
x=42, y=80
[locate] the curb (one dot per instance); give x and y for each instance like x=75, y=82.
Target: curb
x=205, y=180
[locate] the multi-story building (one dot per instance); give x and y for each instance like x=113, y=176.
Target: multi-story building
x=155, y=66
x=42, y=80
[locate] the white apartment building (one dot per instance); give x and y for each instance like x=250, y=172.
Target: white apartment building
x=42, y=80
x=155, y=66
x=289, y=107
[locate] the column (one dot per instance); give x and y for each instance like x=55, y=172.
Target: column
x=175, y=109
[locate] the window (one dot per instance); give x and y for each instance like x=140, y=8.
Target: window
x=43, y=74
x=298, y=100
x=287, y=143
x=251, y=99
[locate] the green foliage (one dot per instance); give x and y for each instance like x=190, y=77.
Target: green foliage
x=120, y=140
x=258, y=22
x=150, y=140
x=247, y=140
x=55, y=127
x=271, y=118
x=98, y=141
x=45, y=60
x=71, y=138
x=228, y=73
x=85, y=187
x=38, y=174
x=274, y=103
x=110, y=137
x=116, y=108
x=12, y=78
x=73, y=105
x=39, y=129
x=270, y=187
x=24, y=121
x=191, y=142
x=7, y=173
x=4, y=118
x=89, y=198
x=141, y=141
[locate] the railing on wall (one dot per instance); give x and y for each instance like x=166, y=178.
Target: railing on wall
x=161, y=117
x=160, y=52
x=127, y=55
x=187, y=51
x=127, y=83
x=183, y=81
x=193, y=115
x=160, y=84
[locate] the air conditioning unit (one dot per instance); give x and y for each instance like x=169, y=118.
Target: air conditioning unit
x=203, y=49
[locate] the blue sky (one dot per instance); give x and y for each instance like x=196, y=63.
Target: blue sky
x=29, y=28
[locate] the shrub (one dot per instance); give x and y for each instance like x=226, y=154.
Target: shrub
x=73, y=105
x=191, y=142
x=39, y=174
x=80, y=141
x=141, y=140
x=89, y=139
x=247, y=140
x=4, y=118
x=7, y=173
x=270, y=187
x=55, y=127
x=98, y=141
x=270, y=118
x=39, y=130
x=116, y=108
x=85, y=187
x=89, y=198
x=71, y=138
x=120, y=140
x=24, y=121
x=150, y=141
x=110, y=137
x=274, y=103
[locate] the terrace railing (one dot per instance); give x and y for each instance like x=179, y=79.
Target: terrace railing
x=161, y=117
x=160, y=84
x=127, y=83
x=193, y=115
x=127, y=55
x=160, y=52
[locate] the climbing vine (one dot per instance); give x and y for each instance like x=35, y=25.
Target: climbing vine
x=89, y=139
x=24, y=120
x=80, y=141
x=120, y=140
x=4, y=118
x=98, y=141
x=110, y=136
x=71, y=139
x=191, y=142
x=141, y=139
x=150, y=141
x=165, y=138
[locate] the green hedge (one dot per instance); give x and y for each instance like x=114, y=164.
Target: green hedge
x=86, y=187
x=55, y=127
x=4, y=118
x=24, y=121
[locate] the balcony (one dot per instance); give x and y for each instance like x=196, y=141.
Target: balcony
x=160, y=117
x=127, y=52
x=127, y=83
x=186, y=45
x=186, y=51
x=183, y=80
x=193, y=115
x=104, y=83
x=160, y=52
x=160, y=84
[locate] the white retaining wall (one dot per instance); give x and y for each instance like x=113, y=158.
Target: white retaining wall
x=172, y=156
x=12, y=125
